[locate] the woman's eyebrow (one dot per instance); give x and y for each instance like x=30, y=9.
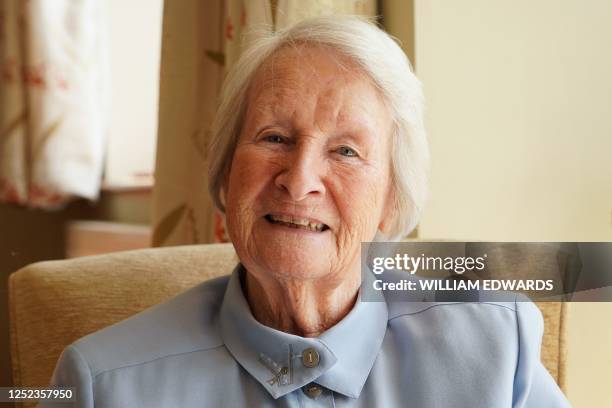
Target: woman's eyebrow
x=265, y=127
x=359, y=138
x=357, y=124
x=267, y=117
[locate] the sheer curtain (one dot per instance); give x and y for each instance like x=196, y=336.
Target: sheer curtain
x=53, y=101
x=200, y=42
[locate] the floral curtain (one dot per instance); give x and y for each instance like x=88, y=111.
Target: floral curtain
x=201, y=40
x=53, y=104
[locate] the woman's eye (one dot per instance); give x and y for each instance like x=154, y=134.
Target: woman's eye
x=274, y=139
x=347, y=151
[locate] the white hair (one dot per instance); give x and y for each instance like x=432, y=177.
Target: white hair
x=383, y=61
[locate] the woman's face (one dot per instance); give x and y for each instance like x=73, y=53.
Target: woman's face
x=309, y=179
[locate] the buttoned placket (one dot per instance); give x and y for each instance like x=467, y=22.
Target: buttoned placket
x=316, y=394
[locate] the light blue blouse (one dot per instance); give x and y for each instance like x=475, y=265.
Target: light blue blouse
x=203, y=348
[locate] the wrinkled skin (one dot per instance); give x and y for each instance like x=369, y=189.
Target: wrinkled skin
x=315, y=144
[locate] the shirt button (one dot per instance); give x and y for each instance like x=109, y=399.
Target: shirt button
x=312, y=390
x=310, y=357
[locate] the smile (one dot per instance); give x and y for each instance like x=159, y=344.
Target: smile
x=299, y=223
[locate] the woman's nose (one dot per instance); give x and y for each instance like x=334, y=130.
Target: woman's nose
x=301, y=175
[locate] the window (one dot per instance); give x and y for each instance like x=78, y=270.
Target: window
x=134, y=45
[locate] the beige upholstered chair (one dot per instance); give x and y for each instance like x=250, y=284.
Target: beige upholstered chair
x=54, y=303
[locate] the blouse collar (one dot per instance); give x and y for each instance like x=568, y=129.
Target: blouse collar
x=340, y=359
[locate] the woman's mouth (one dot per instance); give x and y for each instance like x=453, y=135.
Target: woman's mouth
x=298, y=223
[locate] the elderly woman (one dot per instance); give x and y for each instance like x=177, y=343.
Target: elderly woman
x=318, y=146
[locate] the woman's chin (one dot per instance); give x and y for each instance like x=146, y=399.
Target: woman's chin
x=293, y=257
x=295, y=269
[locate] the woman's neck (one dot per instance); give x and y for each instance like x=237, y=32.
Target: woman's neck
x=305, y=308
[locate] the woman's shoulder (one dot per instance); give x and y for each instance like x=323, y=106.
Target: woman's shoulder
x=414, y=297
x=494, y=345
x=182, y=324
x=498, y=326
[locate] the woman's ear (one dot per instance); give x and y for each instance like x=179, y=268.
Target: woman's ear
x=389, y=213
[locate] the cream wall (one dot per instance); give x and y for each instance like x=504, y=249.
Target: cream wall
x=520, y=118
x=519, y=101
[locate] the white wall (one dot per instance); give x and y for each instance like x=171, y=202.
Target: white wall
x=519, y=100
x=135, y=49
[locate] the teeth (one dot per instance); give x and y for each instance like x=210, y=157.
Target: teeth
x=297, y=222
